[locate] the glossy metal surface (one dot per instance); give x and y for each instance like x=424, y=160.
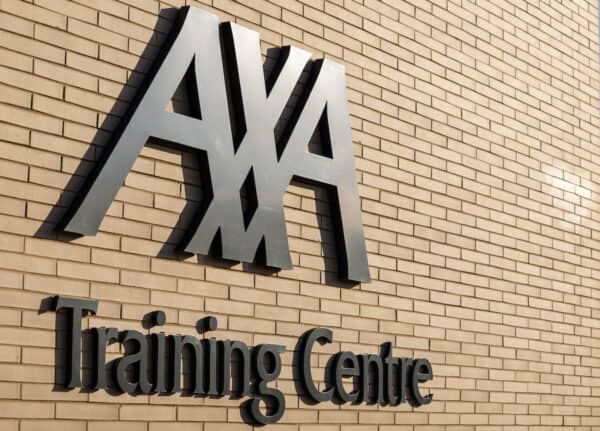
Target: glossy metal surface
x=197, y=40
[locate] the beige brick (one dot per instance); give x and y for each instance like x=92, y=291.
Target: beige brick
x=119, y=293
x=32, y=47
x=120, y=260
x=9, y=390
x=30, y=82
x=24, y=409
x=43, y=392
x=16, y=60
x=176, y=268
x=226, y=307
x=86, y=411
x=52, y=424
x=202, y=415
x=87, y=272
x=175, y=299
x=95, y=67
x=64, y=110
x=22, y=299
x=14, y=134
x=202, y=288
x=146, y=280
x=95, y=33
x=118, y=426
x=63, y=39
x=16, y=24
x=19, y=373
x=13, y=170
x=252, y=295
x=65, y=75
x=22, y=262
x=147, y=413
x=34, y=13
x=66, y=251
x=235, y=278
x=70, y=9
x=240, y=10
x=30, y=119
x=10, y=353
x=11, y=279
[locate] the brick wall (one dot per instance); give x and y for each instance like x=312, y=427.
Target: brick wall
x=476, y=131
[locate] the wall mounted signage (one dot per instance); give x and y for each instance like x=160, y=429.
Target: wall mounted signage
x=167, y=364
x=233, y=128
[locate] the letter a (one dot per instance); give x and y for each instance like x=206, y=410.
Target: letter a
x=195, y=39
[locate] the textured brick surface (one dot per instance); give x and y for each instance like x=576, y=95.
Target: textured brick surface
x=476, y=131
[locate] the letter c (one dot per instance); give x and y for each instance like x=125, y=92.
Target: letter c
x=323, y=336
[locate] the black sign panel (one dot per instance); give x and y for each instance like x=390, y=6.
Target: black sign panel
x=199, y=41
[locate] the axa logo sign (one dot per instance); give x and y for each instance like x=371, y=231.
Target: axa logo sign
x=234, y=129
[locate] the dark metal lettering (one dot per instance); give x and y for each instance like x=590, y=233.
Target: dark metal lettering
x=76, y=308
x=137, y=361
x=231, y=368
x=160, y=354
x=402, y=379
x=274, y=399
x=421, y=372
x=322, y=336
x=391, y=369
x=371, y=365
x=179, y=343
x=346, y=365
x=104, y=336
x=210, y=346
x=229, y=348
